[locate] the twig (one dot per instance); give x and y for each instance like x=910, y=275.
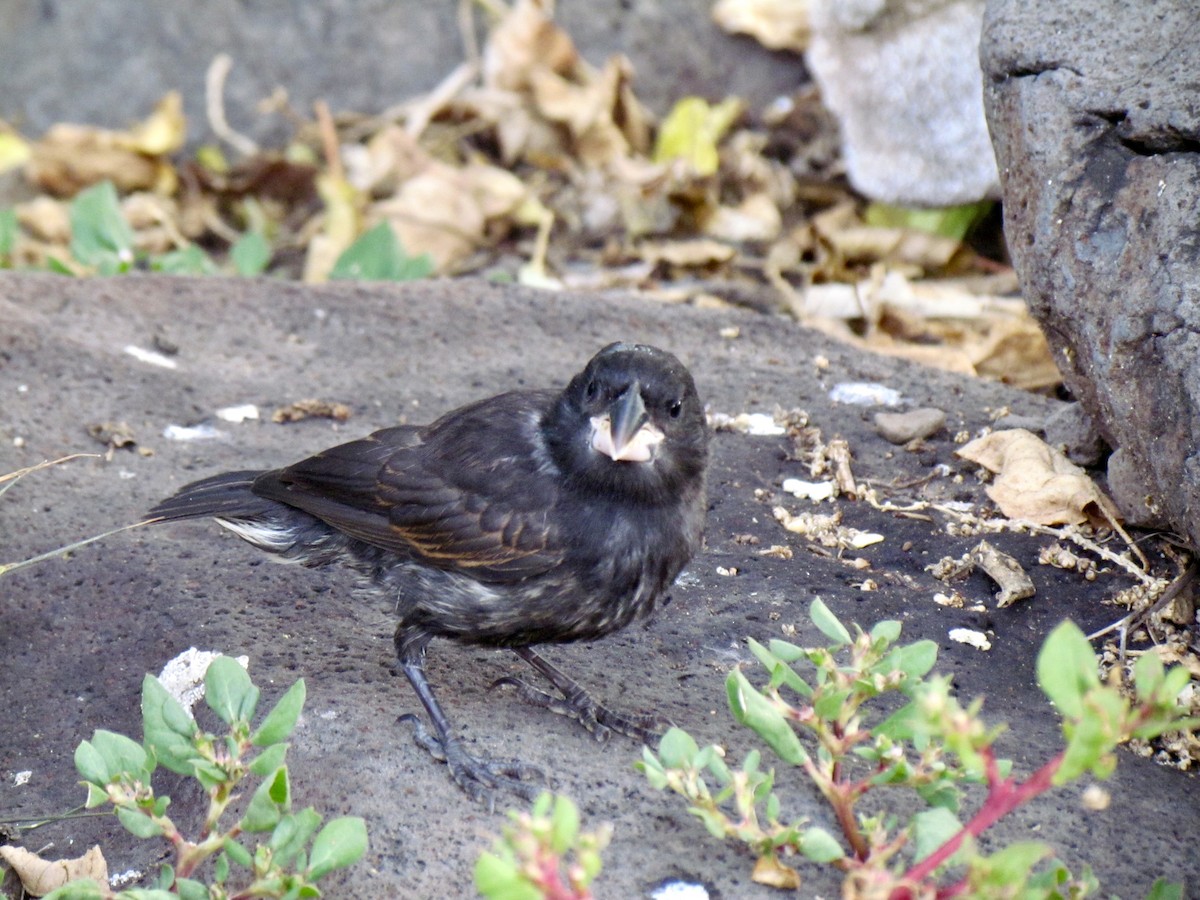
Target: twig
x=214, y=106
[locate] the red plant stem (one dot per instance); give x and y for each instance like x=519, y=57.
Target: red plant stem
x=1004, y=795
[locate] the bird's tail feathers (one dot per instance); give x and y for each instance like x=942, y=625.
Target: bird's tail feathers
x=221, y=496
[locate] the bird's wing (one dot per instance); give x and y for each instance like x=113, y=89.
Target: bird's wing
x=463, y=495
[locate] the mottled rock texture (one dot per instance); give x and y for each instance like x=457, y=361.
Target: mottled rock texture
x=902, y=77
x=1095, y=113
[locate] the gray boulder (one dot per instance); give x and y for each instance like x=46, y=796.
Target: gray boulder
x=902, y=77
x=1095, y=115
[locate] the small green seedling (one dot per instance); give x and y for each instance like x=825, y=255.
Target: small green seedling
x=378, y=256
x=541, y=855
x=267, y=850
x=828, y=724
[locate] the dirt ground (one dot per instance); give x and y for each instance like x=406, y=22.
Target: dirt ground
x=78, y=634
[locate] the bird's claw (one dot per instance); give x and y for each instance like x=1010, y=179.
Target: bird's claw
x=479, y=777
x=599, y=720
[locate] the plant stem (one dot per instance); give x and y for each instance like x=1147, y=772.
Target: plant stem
x=1004, y=795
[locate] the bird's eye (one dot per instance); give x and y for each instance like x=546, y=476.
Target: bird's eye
x=590, y=390
x=674, y=408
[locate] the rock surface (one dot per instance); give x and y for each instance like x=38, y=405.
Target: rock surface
x=110, y=67
x=78, y=634
x=902, y=77
x=1095, y=115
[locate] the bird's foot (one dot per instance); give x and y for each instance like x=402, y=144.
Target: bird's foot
x=598, y=719
x=480, y=777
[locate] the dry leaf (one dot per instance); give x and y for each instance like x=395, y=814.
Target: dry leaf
x=310, y=408
x=771, y=872
x=756, y=218
x=524, y=41
x=776, y=24
x=698, y=252
x=41, y=876
x=70, y=158
x=1036, y=482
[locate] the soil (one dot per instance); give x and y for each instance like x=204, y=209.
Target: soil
x=79, y=633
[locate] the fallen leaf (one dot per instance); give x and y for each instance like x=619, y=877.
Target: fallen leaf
x=41, y=876
x=776, y=24
x=1037, y=482
x=310, y=408
x=692, y=130
x=771, y=872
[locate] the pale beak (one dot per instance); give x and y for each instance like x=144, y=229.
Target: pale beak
x=625, y=433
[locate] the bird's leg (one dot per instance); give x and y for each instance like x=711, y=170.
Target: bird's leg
x=577, y=704
x=479, y=777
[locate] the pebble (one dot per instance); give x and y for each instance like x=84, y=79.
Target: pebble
x=900, y=428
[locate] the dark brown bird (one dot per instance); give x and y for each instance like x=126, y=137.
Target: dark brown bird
x=530, y=517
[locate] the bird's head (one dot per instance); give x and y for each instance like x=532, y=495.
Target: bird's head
x=630, y=423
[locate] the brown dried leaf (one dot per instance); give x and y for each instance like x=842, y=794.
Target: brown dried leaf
x=70, y=158
x=525, y=41
x=776, y=24
x=41, y=876
x=771, y=872
x=1036, y=482
x=310, y=408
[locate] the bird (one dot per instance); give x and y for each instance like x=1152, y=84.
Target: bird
x=530, y=517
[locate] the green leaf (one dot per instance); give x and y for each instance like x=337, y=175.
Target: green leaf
x=122, y=756
x=677, y=749
x=167, y=729
x=280, y=721
x=1165, y=890
x=564, y=825
x=820, y=846
x=228, y=690
x=90, y=764
x=828, y=623
x=1067, y=669
x=189, y=889
x=916, y=660
x=931, y=828
x=499, y=879
x=887, y=631
x=100, y=235
x=96, y=796
x=8, y=231
x=1009, y=869
x=692, y=130
x=269, y=760
x=378, y=256
x=268, y=804
x=1148, y=675
x=137, y=824
x=831, y=702
x=251, y=254
x=781, y=672
x=221, y=868
x=953, y=222
x=237, y=852
x=339, y=844
x=85, y=889
x=752, y=709
x=292, y=833
x=187, y=260
x=788, y=653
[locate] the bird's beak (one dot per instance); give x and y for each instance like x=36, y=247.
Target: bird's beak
x=625, y=433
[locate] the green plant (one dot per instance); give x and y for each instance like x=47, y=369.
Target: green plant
x=930, y=745
x=377, y=256
x=289, y=855
x=541, y=855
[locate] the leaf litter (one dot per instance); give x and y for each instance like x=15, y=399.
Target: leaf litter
x=530, y=163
